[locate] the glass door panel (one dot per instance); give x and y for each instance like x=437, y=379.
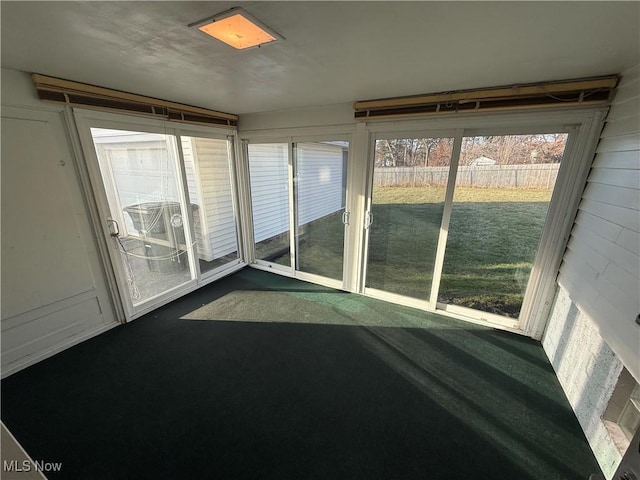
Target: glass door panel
x=503, y=188
x=269, y=178
x=207, y=166
x=148, y=216
x=320, y=193
x=409, y=184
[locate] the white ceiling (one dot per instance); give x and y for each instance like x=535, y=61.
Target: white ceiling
x=334, y=52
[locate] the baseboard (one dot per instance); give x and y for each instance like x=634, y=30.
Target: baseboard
x=34, y=358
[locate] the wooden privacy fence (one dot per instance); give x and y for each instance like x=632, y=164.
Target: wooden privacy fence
x=541, y=175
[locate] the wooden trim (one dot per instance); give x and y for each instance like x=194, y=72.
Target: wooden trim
x=594, y=91
x=75, y=93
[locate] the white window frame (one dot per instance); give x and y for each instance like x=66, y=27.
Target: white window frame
x=183, y=130
x=396, y=133
x=253, y=261
x=292, y=137
x=584, y=126
x=83, y=120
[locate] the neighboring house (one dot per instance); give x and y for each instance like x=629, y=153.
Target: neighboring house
x=482, y=161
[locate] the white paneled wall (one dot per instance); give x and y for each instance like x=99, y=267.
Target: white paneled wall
x=601, y=269
x=599, y=278
x=54, y=294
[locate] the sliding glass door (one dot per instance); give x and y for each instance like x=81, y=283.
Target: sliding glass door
x=166, y=203
x=147, y=212
x=454, y=222
x=269, y=181
x=407, y=203
x=320, y=198
x=503, y=189
x=298, y=200
x=209, y=176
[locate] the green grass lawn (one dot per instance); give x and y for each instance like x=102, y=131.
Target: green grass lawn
x=320, y=246
x=493, y=235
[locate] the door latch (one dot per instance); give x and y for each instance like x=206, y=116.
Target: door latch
x=114, y=228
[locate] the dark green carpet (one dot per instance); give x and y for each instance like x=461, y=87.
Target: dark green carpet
x=174, y=396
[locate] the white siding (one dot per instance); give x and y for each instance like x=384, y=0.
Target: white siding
x=269, y=176
x=601, y=269
x=190, y=169
x=136, y=168
x=217, y=229
x=319, y=180
x=193, y=187
x=140, y=170
x=591, y=332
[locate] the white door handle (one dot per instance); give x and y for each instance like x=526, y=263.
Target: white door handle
x=368, y=220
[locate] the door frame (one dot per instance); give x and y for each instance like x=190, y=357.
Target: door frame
x=398, y=131
x=583, y=126
x=82, y=120
x=251, y=245
x=292, y=137
x=310, y=277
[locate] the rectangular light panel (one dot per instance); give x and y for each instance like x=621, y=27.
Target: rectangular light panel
x=237, y=29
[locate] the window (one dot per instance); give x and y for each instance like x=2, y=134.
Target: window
x=622, y=416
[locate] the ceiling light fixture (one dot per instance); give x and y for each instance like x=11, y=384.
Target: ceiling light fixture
x=237, y=28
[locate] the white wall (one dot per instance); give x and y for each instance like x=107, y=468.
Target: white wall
x=587, y=369
x=591, y=332
x=601, y=267
x=340, y=114
x=54, y=293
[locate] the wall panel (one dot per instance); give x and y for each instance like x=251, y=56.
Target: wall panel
x=54, y=292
